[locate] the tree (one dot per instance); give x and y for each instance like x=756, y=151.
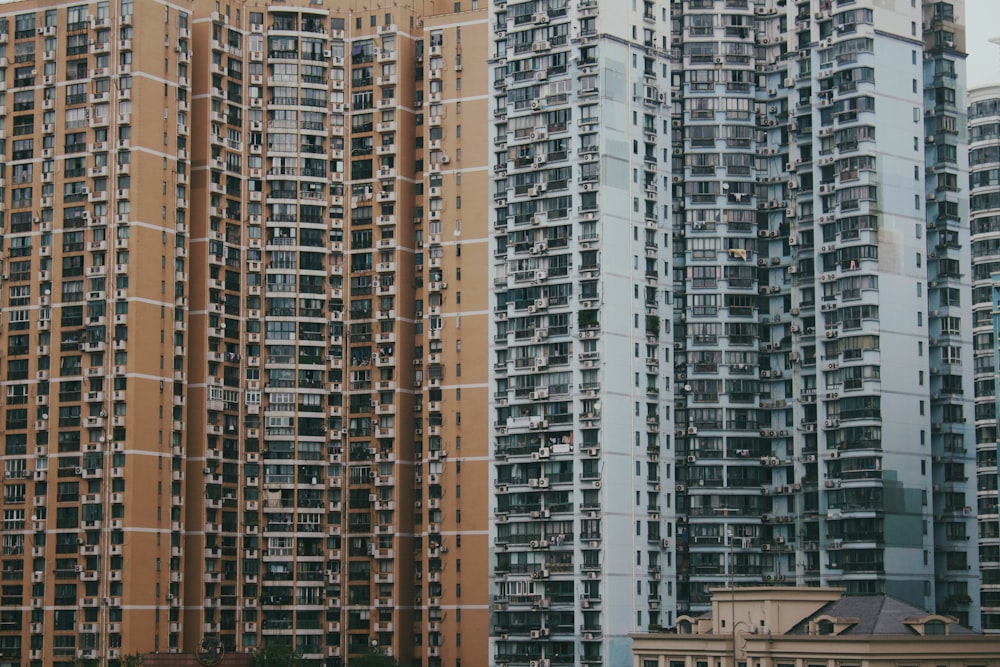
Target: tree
x=128, y=660
x=373, y=658
x=132, y=660
x=276, y=655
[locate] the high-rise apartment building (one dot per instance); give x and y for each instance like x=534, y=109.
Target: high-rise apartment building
x=810, y=422
x=950, y=278
x=581, y=130
x=861, y=344
x=236, y=358
x=95, y=120
x=984, y=208
x=677, y=291
x=824, y=343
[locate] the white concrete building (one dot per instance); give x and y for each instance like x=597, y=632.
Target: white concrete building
x=794, y=408
x=581, y=398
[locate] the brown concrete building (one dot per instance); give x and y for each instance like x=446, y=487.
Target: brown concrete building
x=232, y=347
x=813, y=627
x=95, y=116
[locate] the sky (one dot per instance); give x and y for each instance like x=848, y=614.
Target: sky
x=982, y=22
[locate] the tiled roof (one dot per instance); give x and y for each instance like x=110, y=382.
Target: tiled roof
x=876, y=614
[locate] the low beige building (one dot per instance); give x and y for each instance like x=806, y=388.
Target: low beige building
x=813, y=627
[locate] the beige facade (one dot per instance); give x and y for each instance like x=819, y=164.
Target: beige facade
x=266, y=444
x=813, y=627
x=93, y=138
x=455, y=298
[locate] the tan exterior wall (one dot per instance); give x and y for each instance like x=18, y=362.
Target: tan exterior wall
x=191, y=542
x=456, y=251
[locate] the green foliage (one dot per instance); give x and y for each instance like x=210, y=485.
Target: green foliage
x=276, y=655
x=129, y=660
x=372, y=659
x=132, y=660
x=587, y=318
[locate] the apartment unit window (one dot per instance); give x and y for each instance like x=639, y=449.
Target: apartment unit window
x=76, y=18
x=76, y=93
x=700, y=24
x=738, y=135
x=72, y=291
x=13, y=520
x=702, y=305
x=703, y=276
x=76, y=45
x=24, y=125
x=20, y=295
x=70, y=365
x=24, y=100
x=21, y=199
x=16, y=419
x=17, y=394
x=23, y=149
x=944, y=96
x=704, y=248
x=69, y=416
x=19, y=321
x=705, y=333
x=701, y=135
x=24, y=26
x=24, y=76
x=944, y=11
x=362, y=52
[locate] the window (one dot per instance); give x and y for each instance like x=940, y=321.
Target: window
x=703, y=276
x=24, y=26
